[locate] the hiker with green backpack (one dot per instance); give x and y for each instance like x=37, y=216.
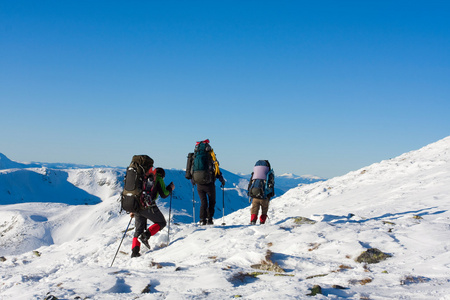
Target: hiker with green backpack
x=202, y=169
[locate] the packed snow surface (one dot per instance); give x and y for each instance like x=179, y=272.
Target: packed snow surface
x=398, y=206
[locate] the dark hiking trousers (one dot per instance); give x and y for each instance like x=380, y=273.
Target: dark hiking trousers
x=207, y=194
x=151, y=213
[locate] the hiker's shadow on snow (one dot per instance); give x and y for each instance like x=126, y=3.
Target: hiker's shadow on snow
x=120, y=287
x=351, y=218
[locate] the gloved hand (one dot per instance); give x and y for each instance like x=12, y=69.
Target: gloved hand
x=171, y=186
x=131, y=215
x=222, y=181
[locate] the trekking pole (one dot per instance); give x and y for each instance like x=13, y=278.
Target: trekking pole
x=193, y=204
x=170, y=211
x=121, y=242
x=223, y=205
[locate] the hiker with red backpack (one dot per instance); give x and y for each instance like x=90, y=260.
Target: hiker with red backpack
x=203, y=169
x=154, y=186
x=260, y=190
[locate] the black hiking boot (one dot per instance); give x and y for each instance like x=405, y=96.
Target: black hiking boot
x=202, y=222
x=144, y=237
x=210, y=222
x=135, y=252
x=253, y=223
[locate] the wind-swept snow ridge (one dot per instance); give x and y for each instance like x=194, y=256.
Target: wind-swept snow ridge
x=314, y=233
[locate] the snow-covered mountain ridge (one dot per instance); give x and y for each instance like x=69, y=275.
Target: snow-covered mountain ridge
x=427, y=160
x=399, y=206
x=78, y=184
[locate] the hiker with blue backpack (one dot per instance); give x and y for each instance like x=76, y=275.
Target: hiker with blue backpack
x=202, y=169
x=260, y=190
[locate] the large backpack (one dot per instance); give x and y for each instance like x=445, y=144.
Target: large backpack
x=189, y=163
x=139, y=170
x=262, y=181
x=202, y=165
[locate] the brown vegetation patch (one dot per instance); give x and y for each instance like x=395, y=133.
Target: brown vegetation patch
x=361, y=282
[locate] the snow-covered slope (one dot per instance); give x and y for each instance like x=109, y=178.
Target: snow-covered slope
x=399, y=206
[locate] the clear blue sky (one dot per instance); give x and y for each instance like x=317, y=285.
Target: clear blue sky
x=316, y=87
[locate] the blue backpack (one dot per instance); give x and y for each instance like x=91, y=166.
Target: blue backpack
x=262, y=181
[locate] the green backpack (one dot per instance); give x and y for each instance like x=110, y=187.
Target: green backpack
x=202, y=166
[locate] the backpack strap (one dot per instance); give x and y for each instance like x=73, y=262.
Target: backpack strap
x=268, y=191
x=215, y=163
x=250, y=183
x=146, y=196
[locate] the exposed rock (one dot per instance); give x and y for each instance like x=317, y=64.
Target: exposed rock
x=146, y=290
x=315, y=290
x=388, y=223
x=413, y=279
x=361, y=282
x=303, y=220
x=268, y=265
x=338, y=287
x=242, y=276
x=372, y=256
x=274, y=267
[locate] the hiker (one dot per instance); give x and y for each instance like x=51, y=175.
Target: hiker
x=261, y=189
x=150, y=193
x=203, y=170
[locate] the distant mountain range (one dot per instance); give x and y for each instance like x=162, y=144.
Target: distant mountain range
x=75, y=184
